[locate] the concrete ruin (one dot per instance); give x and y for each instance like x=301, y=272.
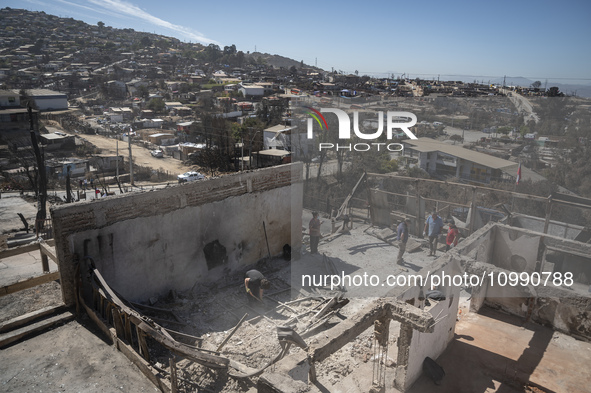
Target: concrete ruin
x=149, y=243
x=128, y=249
x=502, y=249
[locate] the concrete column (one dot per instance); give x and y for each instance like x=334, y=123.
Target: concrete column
x=404, y=340
x=548, y=214
x=381, y=331
x=473, y=211
x=478, y=296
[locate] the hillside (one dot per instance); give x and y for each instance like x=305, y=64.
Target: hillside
x=31, y=33
x=276, y=60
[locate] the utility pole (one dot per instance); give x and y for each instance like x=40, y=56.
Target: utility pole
x=242, y=151
x=117, y=149
x=130, y=157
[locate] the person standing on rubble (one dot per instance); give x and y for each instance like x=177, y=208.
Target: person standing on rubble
x=433, y=227
x=255, y=283
x=314, y=227
x=402, y=236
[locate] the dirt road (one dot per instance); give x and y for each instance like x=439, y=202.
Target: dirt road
x=141, y=156
x=523, y=106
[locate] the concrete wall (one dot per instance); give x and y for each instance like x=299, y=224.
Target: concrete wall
x=147, y=243
x=555, y=228
x=380, y=209
x=568, y=315
x=479, y=245
x=515, y=250
x=445, y=311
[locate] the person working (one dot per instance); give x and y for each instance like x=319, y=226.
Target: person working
x=314, y=228
x=433, y=227
x=453, y=235
x=255, y=283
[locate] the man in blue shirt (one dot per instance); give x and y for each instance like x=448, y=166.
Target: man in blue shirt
x=402, y=236
x=433, y=227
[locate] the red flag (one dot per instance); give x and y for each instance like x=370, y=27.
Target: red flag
x=518, y=174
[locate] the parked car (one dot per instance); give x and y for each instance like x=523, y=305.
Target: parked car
x=157, y=153
x=190, y=176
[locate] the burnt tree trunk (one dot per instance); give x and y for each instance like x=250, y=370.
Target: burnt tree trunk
x=42, y=185
x=68, y=188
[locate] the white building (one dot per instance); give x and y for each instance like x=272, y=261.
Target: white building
x=48, y=100
x=9, y=99
x=286, y=138
x=252, y=90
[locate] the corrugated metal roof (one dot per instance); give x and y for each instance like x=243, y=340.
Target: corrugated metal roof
x=279, y=128
x=426, y=145
x=38, y=93
x=274, y=152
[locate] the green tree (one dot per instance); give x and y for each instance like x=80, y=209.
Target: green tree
x=157, y=105
x=163, y=45
x=536, y=84
x=146, y=41
x=212, y=52
x=240, y=58
x=456, y=138
x=101, y=26
x=554, y=92
x=142, y=91
x=230, y=50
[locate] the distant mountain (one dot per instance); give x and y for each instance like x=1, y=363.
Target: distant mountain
x=580, y=90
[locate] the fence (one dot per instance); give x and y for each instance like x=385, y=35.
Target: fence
x=44, y=229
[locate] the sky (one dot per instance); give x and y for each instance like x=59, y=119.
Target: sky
x=538, y=40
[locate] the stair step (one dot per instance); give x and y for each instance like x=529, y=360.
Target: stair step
x=12, y=336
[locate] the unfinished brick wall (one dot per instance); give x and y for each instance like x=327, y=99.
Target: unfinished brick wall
x=148, y=243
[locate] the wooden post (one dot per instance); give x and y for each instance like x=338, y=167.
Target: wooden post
x=231, y=333
x=118, y=322
x=173, y=379
x=108, y=312
x=473, y=211
x=44, y=262
x=312, y=371
x=95, y=300
x=548, y=214
x=127, y=328
x=142, y=345
x=418, y=211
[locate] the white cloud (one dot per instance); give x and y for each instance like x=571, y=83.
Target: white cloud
x=132, y=10
x=105, y=12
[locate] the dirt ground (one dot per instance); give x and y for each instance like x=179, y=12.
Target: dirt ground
x=255, y=342
x=72, y=357
x=75, y=357
x=29, y=300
